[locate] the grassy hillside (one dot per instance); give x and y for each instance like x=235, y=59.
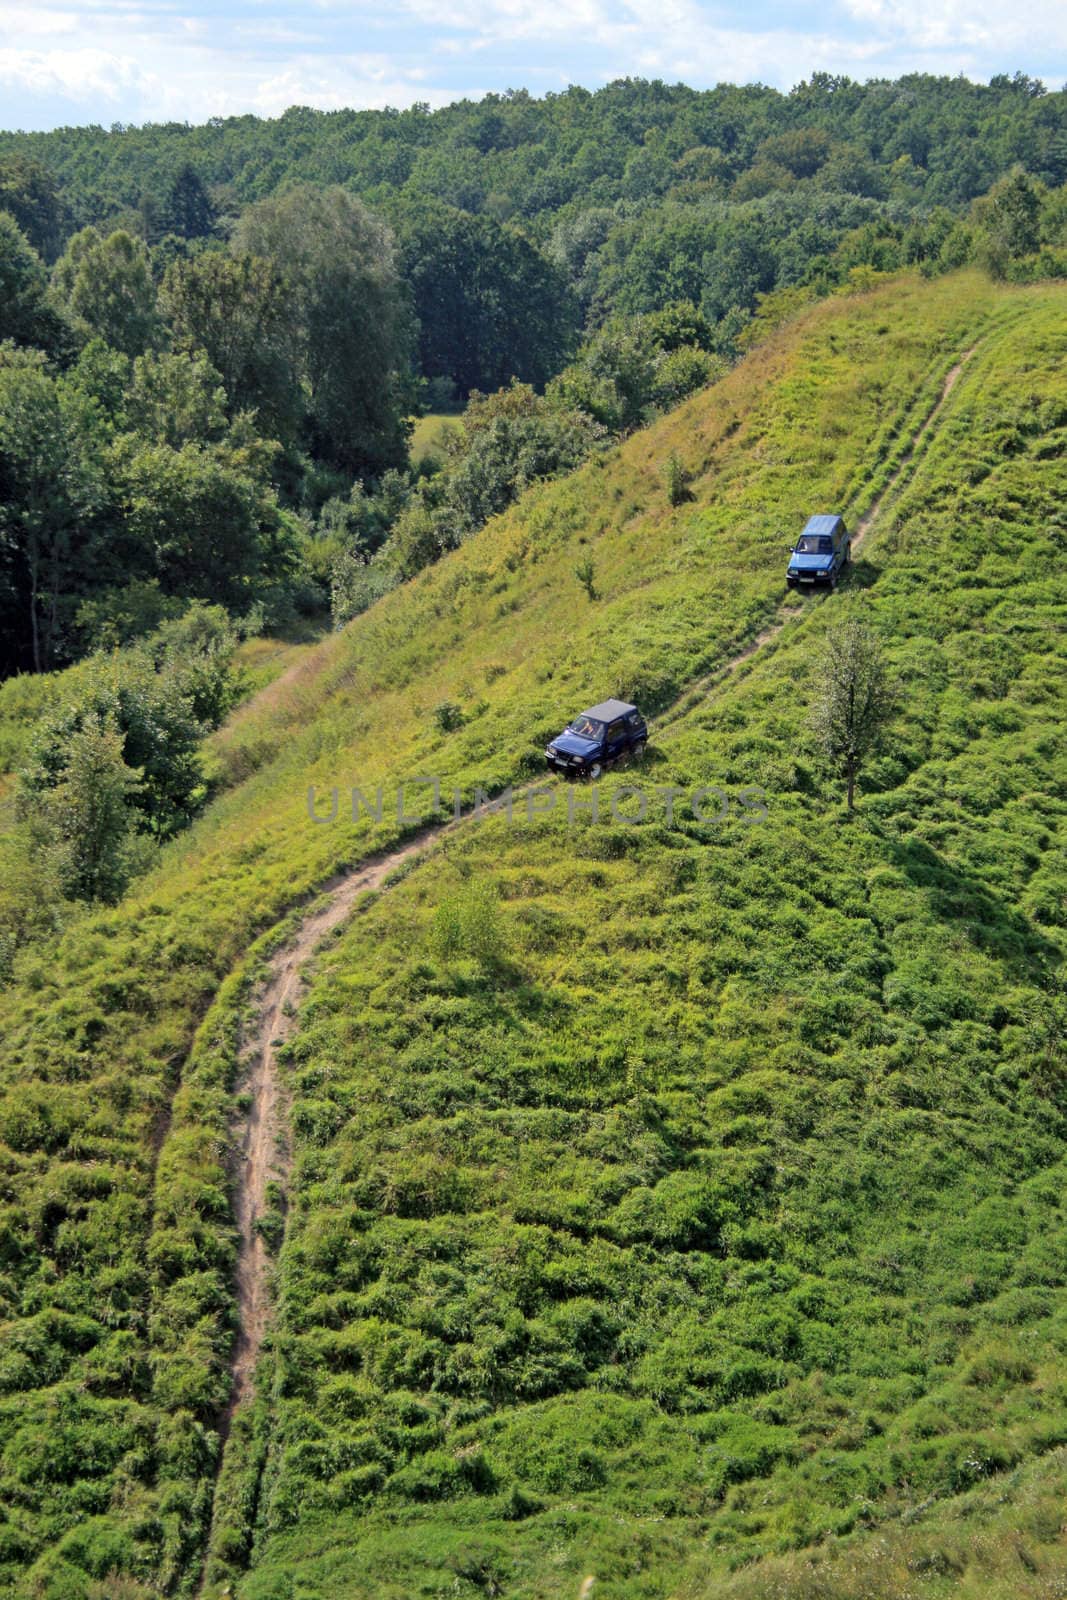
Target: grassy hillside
x=663, y=1196
x=719, y=1208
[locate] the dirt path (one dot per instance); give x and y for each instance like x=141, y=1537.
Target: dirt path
x=263, y=1154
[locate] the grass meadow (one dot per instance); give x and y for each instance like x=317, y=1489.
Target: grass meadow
x=677, y=1203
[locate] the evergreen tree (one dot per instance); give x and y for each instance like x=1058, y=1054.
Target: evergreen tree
x=189, y=211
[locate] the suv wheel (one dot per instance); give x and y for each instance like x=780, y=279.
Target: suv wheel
x=595, y=770
x=638, y=751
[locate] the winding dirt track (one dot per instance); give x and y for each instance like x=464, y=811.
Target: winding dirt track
x=262, y=1155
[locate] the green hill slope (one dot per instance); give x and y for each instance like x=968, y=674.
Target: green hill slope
x=662, y=1196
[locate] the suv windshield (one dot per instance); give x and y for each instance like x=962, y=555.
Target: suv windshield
x=586, y=728
x=815, y=547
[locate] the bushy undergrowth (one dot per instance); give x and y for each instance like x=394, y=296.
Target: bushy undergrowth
x=708, y=1202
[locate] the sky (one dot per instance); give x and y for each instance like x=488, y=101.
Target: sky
x=108, y=61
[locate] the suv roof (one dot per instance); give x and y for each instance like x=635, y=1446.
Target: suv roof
x=609, y=710
x=825, y=524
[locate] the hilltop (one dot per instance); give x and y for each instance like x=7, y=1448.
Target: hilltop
x=649, y=1200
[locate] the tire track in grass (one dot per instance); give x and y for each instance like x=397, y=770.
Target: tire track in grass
x=694, y=692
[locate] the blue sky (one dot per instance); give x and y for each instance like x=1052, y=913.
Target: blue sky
x=153, y=60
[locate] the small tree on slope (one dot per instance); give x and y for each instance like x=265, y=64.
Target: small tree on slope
x=856, y=700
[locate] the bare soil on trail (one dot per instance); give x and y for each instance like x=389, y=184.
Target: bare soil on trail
x=262, y=1154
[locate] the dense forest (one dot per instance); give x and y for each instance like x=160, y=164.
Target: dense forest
x=217, y=335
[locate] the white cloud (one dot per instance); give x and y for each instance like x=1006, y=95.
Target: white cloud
x=988, y=25
x=157, y=59
x=19, y=21
x=704, y=44
x=81, y=74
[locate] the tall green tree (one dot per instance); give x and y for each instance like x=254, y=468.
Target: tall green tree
x=490, y=306
x=28, y=190
x=1009, y=221
x=176, y=399
x=27, y=315
x=50, y=488
x=351, y=321
x=83, y=822
x=855, y=700
x=239, y=310
x=202, y=520
x=106, y=286
x=189, y=211
x=153, y=714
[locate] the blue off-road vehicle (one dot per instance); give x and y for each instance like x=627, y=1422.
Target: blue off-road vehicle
x=821, y=554
x=597, y=739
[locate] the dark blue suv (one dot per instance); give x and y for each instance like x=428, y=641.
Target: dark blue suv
x=597, y=739
x=821, y=554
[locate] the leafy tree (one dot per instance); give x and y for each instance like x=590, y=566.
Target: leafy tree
x=356, y=582
x=574, y=246
x=490, y=306
x=28, y=190
x=350, y=319
x=101, y=377
x=83, y=821
x=635, y=363
x=106, y=285
x=49, y=490
x=855, y=700
x=176, y=399
x=116, y=616
x=239, y=310
x=91, y=509
x=361, y=522
x=195, y=652
x=1009, y=221
x=27, y=316
x=189, y=211
x=202, y=520
x=152, y=713
x=507, y=441
x=801, y=151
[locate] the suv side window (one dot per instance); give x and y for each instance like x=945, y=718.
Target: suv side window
x=633, y=721
x=615, y=730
